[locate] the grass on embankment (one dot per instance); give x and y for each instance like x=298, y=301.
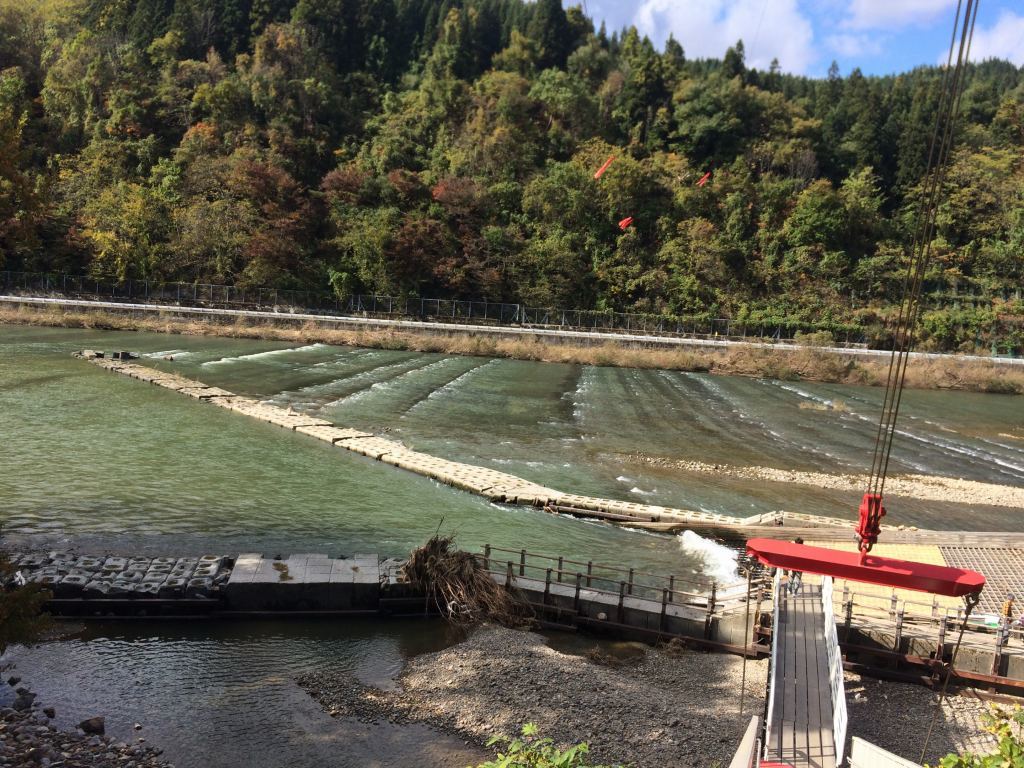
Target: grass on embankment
x=804, y=364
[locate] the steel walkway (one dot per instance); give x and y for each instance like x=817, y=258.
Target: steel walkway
x=800, y=730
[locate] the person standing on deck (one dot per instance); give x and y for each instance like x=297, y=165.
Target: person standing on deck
x=1006, y=620
x=795, y=577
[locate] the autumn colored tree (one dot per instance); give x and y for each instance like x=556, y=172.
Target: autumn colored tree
x=418, y=147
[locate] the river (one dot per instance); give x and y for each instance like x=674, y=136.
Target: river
x=99, y=462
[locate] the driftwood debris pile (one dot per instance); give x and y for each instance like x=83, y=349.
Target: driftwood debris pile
x=460, y=586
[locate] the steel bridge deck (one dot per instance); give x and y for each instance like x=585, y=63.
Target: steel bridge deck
x=800, y=731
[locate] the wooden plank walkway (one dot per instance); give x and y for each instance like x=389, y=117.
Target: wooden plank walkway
x=801, y=725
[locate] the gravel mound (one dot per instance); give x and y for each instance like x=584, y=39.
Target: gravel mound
x=658, y=709
x=895, y=716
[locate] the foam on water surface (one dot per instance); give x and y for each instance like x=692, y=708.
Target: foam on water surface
x=720, y=562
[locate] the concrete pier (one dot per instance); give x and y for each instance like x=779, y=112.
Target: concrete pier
x=87, y=586
x=311, y=582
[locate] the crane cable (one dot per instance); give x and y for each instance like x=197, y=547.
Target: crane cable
x=951, y=89
x=910, y=306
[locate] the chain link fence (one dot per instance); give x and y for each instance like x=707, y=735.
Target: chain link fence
x=290, y=301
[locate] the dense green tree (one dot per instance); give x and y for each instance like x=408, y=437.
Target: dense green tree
x=550, y=29
x=449, y=148
x=734, y=64
x=18, y=199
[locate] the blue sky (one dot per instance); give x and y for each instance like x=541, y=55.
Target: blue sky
x=879, y=36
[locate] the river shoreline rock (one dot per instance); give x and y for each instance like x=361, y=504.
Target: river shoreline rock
x=95, y=725
x=29, y=740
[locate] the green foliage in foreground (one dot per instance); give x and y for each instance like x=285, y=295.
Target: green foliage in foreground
x=1007, y=727
x=21, y=618
x=531, y=751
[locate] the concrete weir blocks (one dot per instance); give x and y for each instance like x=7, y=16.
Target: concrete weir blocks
x=312, y=582
x=373, y=447
x=526, y=495
x=274, y=415
x=178, y=383
x=331, y=434
x=490, y=483
x=204, y=393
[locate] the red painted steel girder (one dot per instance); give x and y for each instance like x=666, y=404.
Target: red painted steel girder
x=872, y=569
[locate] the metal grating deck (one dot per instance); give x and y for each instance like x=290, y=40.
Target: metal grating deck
x=1003, y=569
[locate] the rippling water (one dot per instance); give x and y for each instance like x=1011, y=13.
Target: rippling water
x=100, y=462
x=223, y=695
x=97, y=459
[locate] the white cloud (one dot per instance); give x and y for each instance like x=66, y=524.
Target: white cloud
x=892, y=14
x=854, y=46
x=1003, y=40
x=706, y=28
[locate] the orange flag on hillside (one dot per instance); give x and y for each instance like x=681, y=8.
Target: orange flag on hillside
x=624, y=224
x=704, y=179
x=603, y=168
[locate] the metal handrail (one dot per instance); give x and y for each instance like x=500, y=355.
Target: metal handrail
x=893, y=604
x=866, y=615
x=592, y=566
x=708, y=601
x=520, y=571
x=729, y=594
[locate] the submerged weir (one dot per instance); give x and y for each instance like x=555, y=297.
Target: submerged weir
x=496, y=486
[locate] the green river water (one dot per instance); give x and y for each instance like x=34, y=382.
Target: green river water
x=98, y=462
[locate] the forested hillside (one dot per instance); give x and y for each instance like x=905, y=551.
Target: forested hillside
x=448, y=149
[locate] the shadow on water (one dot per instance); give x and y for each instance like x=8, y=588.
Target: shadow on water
x=224, y=694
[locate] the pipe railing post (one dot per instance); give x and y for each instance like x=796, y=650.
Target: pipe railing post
x=746, y=645
x=710, y=612
x=576, y=597
x=622, y=601
x=1002, y=637
x=560, y=563
x=508, y=575
x=522, y=562
x=487, y=557
x=940, y=646
x=848, y=619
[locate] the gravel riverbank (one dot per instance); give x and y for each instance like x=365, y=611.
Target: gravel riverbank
x=926, y=487
x=653, y=709
x=896, y=716
x=640, y=707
